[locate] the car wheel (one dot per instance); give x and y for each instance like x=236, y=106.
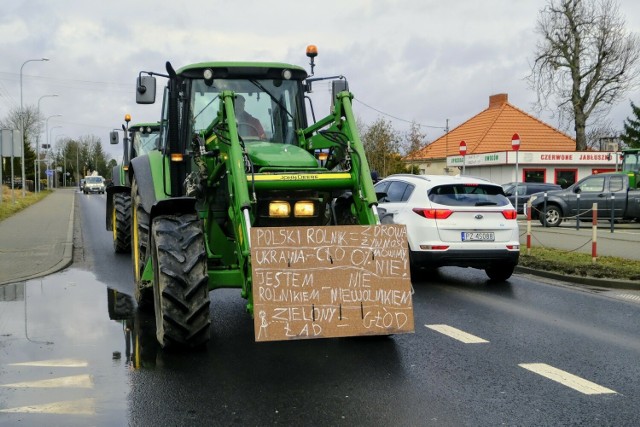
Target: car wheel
x=500, y=273
x=552, y=216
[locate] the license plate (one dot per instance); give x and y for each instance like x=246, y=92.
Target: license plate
x=478, y=236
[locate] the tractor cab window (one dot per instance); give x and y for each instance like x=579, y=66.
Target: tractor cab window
x=145, y=141
x=266, y=110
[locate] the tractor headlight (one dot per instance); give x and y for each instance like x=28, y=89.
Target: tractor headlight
x=304, y=208
x=279, y=209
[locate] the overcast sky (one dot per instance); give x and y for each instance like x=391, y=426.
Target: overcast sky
x=413, y=60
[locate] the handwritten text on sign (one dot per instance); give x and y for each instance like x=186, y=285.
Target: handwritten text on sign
x=336, y=281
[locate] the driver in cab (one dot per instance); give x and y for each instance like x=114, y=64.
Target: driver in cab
x=248, y=125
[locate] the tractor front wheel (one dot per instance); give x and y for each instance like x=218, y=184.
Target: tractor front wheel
x=121, y=222
x=180, y=284
x=139, y=253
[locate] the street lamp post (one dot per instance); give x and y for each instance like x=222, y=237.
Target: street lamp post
x=37, y=163
x=22, y=119
x=64, y=158
x=46, y=134
x=51, y=183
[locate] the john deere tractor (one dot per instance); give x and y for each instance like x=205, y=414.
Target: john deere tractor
x=138, y=139
x=237, y=154
x=631, y=165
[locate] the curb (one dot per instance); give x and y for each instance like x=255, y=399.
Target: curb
x=589, y=281
x=67, y=254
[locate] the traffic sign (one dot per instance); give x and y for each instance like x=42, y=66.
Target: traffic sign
x=463, y=148
x=515, y=142
x=49, y=172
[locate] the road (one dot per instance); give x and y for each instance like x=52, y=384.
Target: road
x=530, y=352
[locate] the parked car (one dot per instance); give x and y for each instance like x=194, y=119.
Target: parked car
x=606, y=190
x=453, y=221
x=525, y=190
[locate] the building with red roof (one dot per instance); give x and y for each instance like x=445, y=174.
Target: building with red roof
x=545, y=154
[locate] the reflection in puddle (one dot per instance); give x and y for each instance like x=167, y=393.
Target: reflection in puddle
x=141, y=346
x=45, y=322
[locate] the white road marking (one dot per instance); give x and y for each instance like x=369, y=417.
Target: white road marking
x=566, y=379
x=457, y=334
x=629, y=297
x=75, y=381
x=61, y=363
x=71, y=407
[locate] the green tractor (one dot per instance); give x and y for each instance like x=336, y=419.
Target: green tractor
x=238, y=155
x=138, y=139
x=631, y=165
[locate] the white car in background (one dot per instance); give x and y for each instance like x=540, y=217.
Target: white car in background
x=93, y=184
x=453, y=221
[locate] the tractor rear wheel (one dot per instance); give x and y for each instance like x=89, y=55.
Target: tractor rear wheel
x=143, y=291
x=121, y=222
x=180, y=281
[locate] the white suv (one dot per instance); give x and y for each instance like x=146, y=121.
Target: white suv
x=453, y=221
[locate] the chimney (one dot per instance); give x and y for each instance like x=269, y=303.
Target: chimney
x=497, y=101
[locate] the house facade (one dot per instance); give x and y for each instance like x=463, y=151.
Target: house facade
x=545, y=154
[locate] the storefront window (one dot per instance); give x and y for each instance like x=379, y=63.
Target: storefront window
x=566, y=177
x=534, y=175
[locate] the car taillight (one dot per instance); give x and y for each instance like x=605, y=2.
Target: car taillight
x=510, y=214
x=433, y=213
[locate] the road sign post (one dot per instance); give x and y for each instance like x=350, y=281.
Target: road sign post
x=515, y=146
x=463, y=153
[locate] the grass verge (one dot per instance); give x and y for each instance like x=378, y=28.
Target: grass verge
x=580, y=264
x=8, y=207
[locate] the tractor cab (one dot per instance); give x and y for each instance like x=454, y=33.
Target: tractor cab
x=631, y=165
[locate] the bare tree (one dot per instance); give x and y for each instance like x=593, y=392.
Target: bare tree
x=32, y=122
x=585, y=61
x=415, y=139
x=381, y=142
x=602, y=138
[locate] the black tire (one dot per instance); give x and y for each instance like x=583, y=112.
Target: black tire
x=143, y=290
x=500, y=273
x=121, y=222
x=552, y=216
x=180, y=281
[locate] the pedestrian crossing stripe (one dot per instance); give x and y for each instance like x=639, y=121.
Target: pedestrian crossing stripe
x=70, y=407
x=566, y=379
x=74, y=381
x=457, y=334
x=59, y=363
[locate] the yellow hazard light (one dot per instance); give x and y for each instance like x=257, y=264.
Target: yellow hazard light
x=312, y=51
x=279, y=209
x=127, y=118
x=176, y=157
x=304, y=208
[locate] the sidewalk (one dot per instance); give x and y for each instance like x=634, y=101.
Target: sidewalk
x=39, y=239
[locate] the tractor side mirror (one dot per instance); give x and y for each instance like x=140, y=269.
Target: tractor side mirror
x=114, y=138
x=337, y=86
x=146, y=90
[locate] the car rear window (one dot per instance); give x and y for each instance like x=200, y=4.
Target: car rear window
x=468, y=195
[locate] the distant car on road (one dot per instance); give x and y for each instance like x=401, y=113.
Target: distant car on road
x=525, y=190
x=453, y=221
x=94, y=184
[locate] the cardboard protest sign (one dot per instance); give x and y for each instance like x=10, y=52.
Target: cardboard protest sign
x=334, y=281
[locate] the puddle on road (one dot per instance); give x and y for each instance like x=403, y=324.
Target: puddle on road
x=57, y=329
